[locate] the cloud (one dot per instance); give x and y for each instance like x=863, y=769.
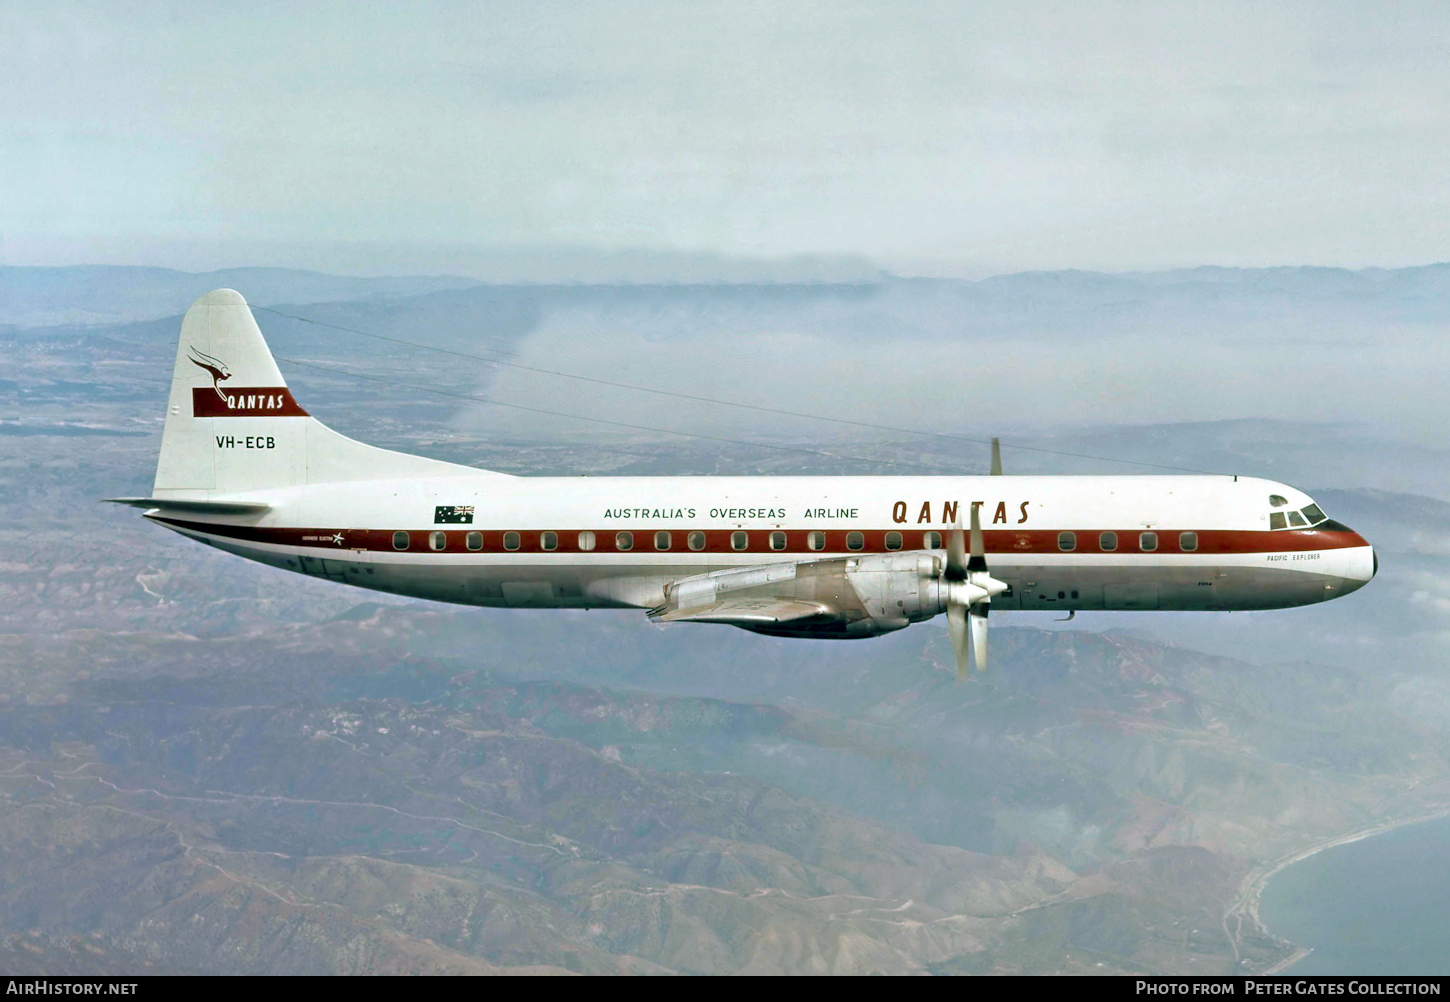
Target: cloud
x=952, y=138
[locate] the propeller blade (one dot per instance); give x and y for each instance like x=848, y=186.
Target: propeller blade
x=956, y=554
x=996, y=457
x=978, y=561
x=977, y=616
x=957, y=622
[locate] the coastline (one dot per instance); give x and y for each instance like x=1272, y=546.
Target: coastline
x=1247, y=903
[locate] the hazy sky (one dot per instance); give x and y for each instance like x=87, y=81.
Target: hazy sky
x=958, y=138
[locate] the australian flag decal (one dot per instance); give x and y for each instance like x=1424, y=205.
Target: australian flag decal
x=450, y=514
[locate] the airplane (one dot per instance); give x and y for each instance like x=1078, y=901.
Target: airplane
x=244, y=468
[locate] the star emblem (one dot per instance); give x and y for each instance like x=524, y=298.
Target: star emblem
x=337, y=538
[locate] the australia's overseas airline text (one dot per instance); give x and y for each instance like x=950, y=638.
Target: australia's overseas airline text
x=901, y=512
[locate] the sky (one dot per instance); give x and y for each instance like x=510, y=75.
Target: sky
x=957, y=138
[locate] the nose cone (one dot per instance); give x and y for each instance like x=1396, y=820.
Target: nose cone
x=1358, y=565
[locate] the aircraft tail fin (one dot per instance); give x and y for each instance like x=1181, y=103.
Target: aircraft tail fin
x=233, y=426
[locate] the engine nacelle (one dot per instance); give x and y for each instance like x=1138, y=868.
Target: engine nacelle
x=895, y=589
x=852, y=596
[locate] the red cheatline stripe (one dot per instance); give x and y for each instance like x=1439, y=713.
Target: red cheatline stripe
x=797, y=541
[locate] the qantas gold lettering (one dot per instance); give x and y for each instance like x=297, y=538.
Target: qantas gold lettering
x=950, y=510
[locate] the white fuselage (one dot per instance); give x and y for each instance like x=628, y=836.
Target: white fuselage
x=1179, y=542
x=244, y=467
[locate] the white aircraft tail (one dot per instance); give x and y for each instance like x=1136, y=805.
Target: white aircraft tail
x=232, y=425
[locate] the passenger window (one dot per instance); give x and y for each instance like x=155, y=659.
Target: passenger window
x=739, y=541
x=1147, y=541
x=1277, y=501
x=1276, y=520
x=695, y=540
x=624, y=540
x=1066, y=541
x=893, y=540
x=777, y=540
x=1188, y=541
x=510, y=540
x=816, y=541
x=549, y=541
x=474, y=540
x=586, y=540
x=931, y=540
x=855, y=541
x=400, y=540
x=1314, y=515
x=436, y=540
x=662, y=541
x=1296, y=519
x=1108, y=542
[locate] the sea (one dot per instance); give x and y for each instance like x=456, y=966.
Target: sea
x=1377, y=906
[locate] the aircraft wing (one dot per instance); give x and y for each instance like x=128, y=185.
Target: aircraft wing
x=764, y=596
x=747, y=611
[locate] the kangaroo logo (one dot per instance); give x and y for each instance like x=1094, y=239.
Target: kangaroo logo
x=217, y=368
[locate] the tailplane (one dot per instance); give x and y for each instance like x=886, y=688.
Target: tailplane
x=232, y=425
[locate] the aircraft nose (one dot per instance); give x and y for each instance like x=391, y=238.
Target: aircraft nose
x=1360, y=566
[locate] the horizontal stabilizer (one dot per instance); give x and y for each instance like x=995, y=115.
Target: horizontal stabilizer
x=207, y=507
x=746, y=612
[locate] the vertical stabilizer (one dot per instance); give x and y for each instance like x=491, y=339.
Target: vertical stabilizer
x=233, y=426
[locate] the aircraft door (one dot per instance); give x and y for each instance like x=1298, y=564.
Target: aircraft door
x=350, y=560
x=356, y=561
x=356, y=541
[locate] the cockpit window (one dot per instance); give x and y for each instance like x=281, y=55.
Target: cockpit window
x=1311, y=515
x=1277, y=501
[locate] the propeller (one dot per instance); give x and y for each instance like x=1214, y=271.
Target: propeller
x=969, y=587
